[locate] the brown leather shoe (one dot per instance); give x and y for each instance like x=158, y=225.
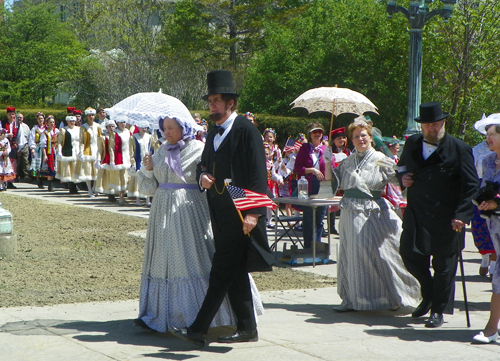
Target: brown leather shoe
x=240, y=336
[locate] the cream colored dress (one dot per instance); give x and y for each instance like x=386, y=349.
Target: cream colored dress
x=67, y=165
x=88, y=155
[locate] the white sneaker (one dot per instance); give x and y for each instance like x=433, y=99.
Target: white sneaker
x=138, y=203
x=91, y=195
x=480, y=337
x=148, y=204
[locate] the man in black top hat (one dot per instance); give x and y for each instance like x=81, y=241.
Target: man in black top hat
x=438, y=171
x=234, y=154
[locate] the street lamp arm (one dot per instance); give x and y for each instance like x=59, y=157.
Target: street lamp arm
x=393, y=9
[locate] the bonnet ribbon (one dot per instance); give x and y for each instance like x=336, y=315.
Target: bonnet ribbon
x=173, y=158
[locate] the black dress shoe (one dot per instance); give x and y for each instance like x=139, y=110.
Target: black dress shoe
x=190, y=336
x=422, y=308
x=436, y=320
x=240, y=336
x=11, y=186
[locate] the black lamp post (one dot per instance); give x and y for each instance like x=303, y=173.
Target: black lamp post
x=417, y=14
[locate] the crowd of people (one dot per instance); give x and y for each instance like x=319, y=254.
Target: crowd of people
x=395, y=251
x=98, y=155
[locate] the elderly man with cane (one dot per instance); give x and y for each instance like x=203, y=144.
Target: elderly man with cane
x=438, y=171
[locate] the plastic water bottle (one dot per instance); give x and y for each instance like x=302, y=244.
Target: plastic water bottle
x=303, y=187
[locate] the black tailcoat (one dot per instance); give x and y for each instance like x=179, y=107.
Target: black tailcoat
x=240, y=158
x=443, y=188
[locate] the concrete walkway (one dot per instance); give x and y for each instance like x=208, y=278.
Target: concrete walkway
x=298, y=324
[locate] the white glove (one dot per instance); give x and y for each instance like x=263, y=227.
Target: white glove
x=97, y=164
x=80, y=156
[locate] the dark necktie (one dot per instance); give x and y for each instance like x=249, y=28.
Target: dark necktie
x=434, y=144
x=220, y=130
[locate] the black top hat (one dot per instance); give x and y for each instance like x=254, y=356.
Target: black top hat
x=431, y=112
x=220, y=82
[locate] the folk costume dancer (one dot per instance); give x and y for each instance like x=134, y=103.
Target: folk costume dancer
x=48, y=142
x=68, y=147
x=7, y=173
x=140, y=144
x=233, y=153
x=36, y=149
x=10, y=125
x=120, y=161
x=439, y=174
x=89, y=135
x=104, y=158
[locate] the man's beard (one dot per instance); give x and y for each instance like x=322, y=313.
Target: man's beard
x=215, y=117
x=434, y=138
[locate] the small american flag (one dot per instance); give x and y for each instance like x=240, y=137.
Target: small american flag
x=291, y=144
x=244, y=199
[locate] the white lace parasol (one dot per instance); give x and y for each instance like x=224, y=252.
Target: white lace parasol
x=150, y=107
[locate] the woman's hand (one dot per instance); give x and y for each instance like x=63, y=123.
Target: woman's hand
x=148, y=161
x=487, y=205
x=317, y=173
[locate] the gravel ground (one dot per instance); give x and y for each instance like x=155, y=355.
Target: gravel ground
x=69, y=254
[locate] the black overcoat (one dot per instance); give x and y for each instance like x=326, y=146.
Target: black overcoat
x=443, y=188
x=240, y=158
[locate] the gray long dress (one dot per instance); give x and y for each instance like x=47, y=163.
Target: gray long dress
x=179, y=247
x=371, y=273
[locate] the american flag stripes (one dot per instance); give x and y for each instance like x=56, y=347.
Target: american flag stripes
x=244, y=199
x=291, y=144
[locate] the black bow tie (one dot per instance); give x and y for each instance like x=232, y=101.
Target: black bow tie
x=434, y=144
x=220, y=130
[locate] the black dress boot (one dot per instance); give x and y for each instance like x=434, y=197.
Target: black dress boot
x=40, y=183
x=51, y=186
x=72, y=188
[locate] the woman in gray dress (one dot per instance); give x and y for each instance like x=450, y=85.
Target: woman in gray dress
x=371, y=274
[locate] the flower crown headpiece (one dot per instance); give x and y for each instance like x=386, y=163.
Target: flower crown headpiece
x=249, y=113
x=267, y=145
x=50, y=117
x=40, y=113
x=269, y=130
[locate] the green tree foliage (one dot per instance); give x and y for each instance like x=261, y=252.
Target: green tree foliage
x=39, y=53
x=335, y=42
x=461, y=65
x=122, y=40
x=227, y=31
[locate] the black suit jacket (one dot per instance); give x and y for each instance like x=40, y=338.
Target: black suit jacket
x=243, y=155
x=443, y=188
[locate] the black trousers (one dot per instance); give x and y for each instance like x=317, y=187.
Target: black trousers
x=228, y=275
x=439, y=288
x=23, y=164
